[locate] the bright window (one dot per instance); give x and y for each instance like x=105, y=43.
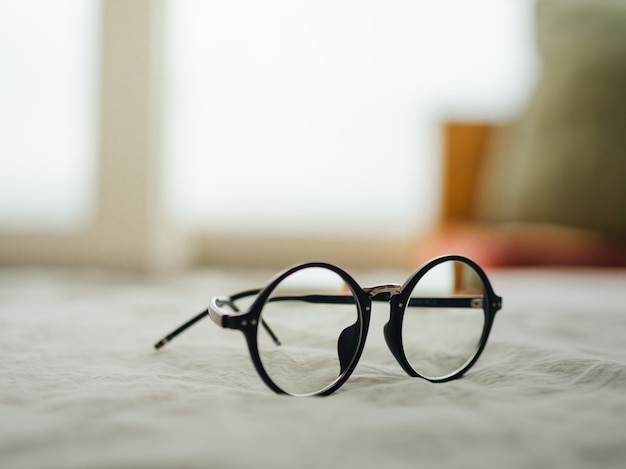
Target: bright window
x=322, y=116
x=48, y=118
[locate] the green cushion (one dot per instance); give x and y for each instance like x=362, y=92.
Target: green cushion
x=564, y=161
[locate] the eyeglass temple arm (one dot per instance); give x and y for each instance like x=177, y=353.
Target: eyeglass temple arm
x=218, y=313
x=216, y=316
x=415, y=302
x=180, y=329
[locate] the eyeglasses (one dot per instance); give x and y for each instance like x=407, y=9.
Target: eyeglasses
x=306, y=329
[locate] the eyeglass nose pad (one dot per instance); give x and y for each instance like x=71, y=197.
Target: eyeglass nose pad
x=347, y=345
x=391, y=334
x=393, y=337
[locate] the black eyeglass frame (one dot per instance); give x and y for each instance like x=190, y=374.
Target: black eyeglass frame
x=398, y=297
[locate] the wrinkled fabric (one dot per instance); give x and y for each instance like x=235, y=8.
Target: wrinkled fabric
x=82, y=387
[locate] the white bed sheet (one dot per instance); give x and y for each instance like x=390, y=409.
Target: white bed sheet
x=81, y=385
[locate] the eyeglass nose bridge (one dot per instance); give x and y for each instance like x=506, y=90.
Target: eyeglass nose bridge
x=383, y=292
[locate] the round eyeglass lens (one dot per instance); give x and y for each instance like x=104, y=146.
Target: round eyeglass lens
x=314, y=316
x=444, y=320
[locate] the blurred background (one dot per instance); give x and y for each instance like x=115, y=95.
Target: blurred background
x=156, y=134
